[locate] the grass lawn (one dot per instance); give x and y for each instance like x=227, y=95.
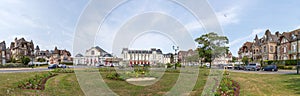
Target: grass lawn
x=62, y=84
x=66, y=84
x=267, y=84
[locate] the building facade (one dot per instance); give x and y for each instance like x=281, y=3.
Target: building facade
x=96, y=56
x=3, y=52
x=45, y=54
x=184, y=57
x=21, y=47
x=58, y=56
x=152, y=56
x=272, y=46
x=167, y=58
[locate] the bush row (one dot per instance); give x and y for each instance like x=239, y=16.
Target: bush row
x=13, y=65
x=282, y=62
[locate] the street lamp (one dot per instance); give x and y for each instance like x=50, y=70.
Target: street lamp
x=175, y=48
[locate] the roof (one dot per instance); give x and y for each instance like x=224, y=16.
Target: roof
x=79, y=55
x=100, y=49
x=3, y=46
x=158, y=51
x=107, y=55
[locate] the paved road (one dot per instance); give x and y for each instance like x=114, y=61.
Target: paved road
x=266, y=72
x=16, y=70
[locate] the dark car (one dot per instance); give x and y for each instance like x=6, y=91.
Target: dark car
x=270, y=68
x=239, y=67
x=53, y=66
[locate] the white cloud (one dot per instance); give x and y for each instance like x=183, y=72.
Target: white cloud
x=228, y=16
x=250, y=37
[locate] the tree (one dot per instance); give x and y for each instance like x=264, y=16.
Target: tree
x=13, y=60
x=245, y=59
x=212, y=46
x=25, y=60
x=234, y=59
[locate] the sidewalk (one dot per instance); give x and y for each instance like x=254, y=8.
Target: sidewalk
x=15, y=68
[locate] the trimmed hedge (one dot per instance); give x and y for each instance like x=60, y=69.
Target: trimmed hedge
x=282, y=62
x=13, y=65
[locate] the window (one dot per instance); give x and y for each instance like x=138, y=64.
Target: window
x=93, y=52
x=271, y=49
x=265, y=48
x=284, y=49
x=294, y=47
x=294, y=36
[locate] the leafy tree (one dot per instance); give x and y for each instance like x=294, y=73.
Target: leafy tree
x=212, y=46
x=13, y=60
x=245, y=59
x=25, y=60
x=234, y=59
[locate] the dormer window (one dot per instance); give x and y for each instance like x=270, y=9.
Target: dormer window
x=293, y=36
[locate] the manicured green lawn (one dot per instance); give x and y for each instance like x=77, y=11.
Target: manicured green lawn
x=267, y=84
x=66, y=84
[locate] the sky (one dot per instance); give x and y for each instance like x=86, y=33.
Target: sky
x=51, y=23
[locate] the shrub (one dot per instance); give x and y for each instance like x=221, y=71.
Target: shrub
x=177, y=64
x=115, y=76
x=13, y=65
x=25, y=60
x=280, y=67
x=169, y=65
x=41, y=60
x=63, y=70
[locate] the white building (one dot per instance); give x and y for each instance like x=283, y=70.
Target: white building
x=92, y=57
x=167, y=58
x=152, y=56
x=225, y=59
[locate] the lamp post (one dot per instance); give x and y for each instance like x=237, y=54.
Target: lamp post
x=175, y=48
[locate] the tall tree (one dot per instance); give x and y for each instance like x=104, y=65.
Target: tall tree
x=245, y=59
x=212, y=46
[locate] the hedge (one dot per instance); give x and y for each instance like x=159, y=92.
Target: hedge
x=282, y=62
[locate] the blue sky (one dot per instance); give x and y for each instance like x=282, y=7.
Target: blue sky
x=52, y=23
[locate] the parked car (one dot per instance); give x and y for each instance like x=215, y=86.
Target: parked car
x=53, y=66
x=99, y=65
x=62, y=66
x=239, y=67
x=252, y=66
x=229, y=66
x=270, y=68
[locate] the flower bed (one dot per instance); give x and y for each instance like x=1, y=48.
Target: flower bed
x=36, y=83
x=228, y=87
